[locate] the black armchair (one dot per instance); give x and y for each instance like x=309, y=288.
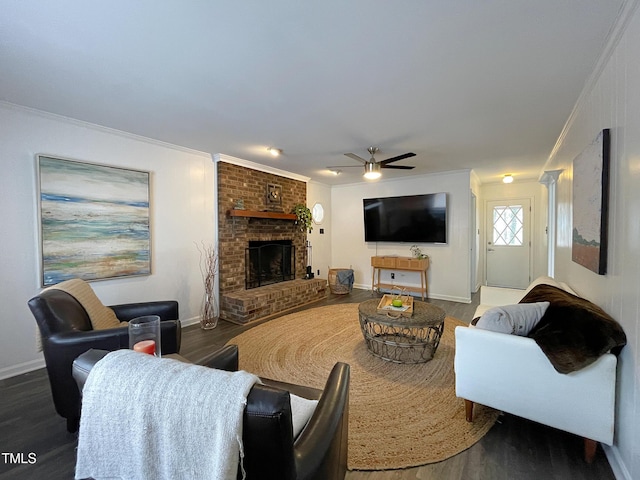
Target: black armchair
x=66, y=332
x=320, y=450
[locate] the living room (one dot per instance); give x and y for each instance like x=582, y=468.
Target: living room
x=184, y=213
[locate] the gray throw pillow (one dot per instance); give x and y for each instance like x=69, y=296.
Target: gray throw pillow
x=513, y=319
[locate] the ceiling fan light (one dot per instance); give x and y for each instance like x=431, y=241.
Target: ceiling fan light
x=507, y=178
x=274, y=151
x=372, y=171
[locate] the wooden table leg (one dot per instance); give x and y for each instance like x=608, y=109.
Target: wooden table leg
x=468, y=410
x=590, y=447
x=373, y=279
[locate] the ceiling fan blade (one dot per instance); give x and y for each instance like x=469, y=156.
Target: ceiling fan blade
x=395, y=159
x=397, y=167
x=356, y=157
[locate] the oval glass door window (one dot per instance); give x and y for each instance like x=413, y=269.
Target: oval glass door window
x=317, y=213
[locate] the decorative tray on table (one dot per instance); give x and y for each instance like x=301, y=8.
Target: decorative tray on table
x=386, y=305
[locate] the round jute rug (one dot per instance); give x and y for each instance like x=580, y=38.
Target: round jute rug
x=399, y=415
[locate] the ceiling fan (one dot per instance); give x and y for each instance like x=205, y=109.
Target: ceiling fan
x=372, y=167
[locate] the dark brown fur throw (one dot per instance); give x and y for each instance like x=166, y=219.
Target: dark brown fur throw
x=573, y=332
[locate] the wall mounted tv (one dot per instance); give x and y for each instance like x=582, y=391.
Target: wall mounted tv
x=413, y=218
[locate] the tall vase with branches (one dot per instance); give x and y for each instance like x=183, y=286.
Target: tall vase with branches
x=208, y=268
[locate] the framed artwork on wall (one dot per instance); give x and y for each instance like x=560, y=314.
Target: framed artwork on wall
x=591, y=205
x=274, y=194
x=94, y=221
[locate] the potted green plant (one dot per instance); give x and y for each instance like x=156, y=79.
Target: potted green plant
x=303, y=214
x=417, y=252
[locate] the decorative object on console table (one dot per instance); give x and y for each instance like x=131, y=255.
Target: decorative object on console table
x=591, y=205
x=274, y=194
x=208, y=265
x=304, y=218
x=416, y=251
x=410, y=264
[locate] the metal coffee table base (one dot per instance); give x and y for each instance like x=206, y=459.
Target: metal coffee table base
x=403, y=339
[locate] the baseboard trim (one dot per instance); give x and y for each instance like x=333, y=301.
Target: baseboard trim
x=30, y=366
x=449, y=298
x=189, y=321
x=26, y=367
x=616, y=463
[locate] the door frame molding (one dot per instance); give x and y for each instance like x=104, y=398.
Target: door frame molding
x=550, y=180
x=474, y=244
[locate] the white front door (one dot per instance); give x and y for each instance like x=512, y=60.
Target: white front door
x=508, y=248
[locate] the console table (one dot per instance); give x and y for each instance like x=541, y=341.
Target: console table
x=403, y=264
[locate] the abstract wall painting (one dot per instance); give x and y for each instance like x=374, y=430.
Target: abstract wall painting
x=94, y=221
x=591, y=205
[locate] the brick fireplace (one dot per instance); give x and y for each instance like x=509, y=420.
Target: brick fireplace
x=239, y=184
x=268, y=261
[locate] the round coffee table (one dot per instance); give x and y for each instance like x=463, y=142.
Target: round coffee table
x=402, y=339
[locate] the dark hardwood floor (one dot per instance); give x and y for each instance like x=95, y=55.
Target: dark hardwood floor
x=514, y=449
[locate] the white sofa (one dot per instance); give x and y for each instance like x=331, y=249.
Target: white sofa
x=512, y=374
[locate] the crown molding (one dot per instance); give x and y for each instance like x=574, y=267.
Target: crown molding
x=98, y=128
x=221, y=157
x=625, y=15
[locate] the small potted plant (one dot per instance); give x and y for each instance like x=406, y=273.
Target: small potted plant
x=417, y=253
x=303, y=214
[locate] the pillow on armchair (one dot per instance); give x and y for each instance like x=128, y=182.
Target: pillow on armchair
x=573, y=332
x=101, y=317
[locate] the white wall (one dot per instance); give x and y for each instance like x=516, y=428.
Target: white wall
x=448, y=274
x=611, y=100
x=320, y=242
x=181, y=214
x=519, y=189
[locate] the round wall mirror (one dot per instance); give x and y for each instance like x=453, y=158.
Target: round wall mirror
x=317, y=213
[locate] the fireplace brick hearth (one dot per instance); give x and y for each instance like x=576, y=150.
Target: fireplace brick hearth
x=244, y=306
x=237, y=304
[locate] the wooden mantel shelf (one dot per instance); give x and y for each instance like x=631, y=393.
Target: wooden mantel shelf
x=258, y=214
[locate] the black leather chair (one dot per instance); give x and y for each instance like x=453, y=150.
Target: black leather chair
x=271, y=452
x=66, y=333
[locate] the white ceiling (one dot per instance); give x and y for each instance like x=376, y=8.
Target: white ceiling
x=482, y=84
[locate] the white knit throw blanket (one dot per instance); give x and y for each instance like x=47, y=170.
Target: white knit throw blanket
x=149, y=418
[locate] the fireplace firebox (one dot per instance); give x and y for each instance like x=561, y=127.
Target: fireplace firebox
x=268, y=262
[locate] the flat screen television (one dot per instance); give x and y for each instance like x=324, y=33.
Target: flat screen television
x=412, y=218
